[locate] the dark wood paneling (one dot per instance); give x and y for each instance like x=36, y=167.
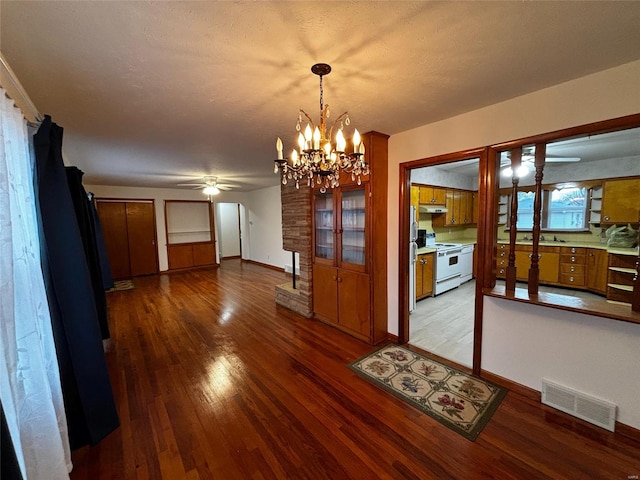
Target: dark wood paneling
x=214, y=381
x=113, y=219
x=203, y=254
x=142, y=238
x=180, y=256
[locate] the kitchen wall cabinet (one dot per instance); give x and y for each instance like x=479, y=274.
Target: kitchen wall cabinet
x=432, y=195
x=459, y=204
x=415, y=200
x=349, y=262
x=424, y=275
x=621, y=201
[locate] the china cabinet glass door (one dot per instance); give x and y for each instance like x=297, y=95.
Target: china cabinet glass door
x=324, y=226
x=353, y=219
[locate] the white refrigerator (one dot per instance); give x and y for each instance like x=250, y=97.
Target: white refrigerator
x=413, y=257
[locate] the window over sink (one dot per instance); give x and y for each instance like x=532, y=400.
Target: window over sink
x=563, y=209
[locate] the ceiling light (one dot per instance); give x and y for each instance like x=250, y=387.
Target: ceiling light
x=522, y=171
x=211, y=190
x=318, y=159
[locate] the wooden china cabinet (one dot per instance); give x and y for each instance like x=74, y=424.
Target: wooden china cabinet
x=349, y=245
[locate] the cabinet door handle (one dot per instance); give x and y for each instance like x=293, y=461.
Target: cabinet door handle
x=573, y=250
x=339, y=279
x=571, y=279
x=573, y=259
x=573, y=269
x=606, y=217
x=333, y=278
x=539, y=256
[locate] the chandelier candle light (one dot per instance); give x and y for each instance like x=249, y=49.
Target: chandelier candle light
x=318, y=160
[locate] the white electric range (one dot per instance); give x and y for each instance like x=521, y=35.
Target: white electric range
x=447, y=265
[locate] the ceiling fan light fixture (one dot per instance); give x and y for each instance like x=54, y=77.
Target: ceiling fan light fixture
x=211, y=190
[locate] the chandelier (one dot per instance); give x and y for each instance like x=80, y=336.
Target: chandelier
x=317, y=159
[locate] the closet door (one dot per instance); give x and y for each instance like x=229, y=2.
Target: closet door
x=113, y=217
x=129, y=231
x=142, y=239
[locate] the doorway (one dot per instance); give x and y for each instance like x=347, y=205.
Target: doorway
x=229, y=230
x=129, y=229
x=443, y=321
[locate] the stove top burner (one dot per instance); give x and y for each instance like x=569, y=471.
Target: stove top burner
x=447, y=246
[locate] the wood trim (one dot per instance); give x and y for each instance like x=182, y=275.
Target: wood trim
x=536, y=396
x=266, y=265
x=231, y=257
x=572, y=304
x=404, y=221
x=604, y=126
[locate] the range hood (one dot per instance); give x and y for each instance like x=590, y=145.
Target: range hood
x=432, y=209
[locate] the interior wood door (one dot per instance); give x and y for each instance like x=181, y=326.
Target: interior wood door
x=141, y=230
x=129, y=234
x=113, y=219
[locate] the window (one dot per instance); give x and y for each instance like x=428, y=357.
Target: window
x=562, y=209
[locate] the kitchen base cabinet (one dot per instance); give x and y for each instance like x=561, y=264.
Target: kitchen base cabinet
x=424, y=276
x=548, y=266
x=573, y=266
x=622, y=271
x=597, y=264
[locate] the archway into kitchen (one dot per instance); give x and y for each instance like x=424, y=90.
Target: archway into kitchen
x=443, y=231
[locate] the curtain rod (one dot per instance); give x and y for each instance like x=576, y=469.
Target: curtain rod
x=9, y=81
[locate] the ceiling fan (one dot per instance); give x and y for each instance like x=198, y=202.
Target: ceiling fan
x=209, y=185
x=527, y=161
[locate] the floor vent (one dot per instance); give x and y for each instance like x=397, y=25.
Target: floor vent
x=592, y=409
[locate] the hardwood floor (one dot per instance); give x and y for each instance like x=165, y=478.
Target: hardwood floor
x=214, y=381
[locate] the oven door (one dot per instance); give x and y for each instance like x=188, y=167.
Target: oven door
x=447, y=270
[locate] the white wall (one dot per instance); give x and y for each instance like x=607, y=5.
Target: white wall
x=264, y=227
x=601, y=96
x=262, y=240
x=229, y=229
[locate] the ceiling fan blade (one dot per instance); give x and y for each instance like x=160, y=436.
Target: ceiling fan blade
x=562, y=159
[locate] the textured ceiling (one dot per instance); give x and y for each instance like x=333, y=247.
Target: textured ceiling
x=159, y=93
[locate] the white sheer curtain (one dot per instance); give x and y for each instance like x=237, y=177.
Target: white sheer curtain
x=29, y=380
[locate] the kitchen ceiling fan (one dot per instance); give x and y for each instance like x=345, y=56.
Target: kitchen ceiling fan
x=209, y=185
x=528, y=159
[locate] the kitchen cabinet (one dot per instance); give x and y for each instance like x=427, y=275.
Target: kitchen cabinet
x=459, y=204
x=349, y=250
x=548, y=263
x=432, y=195
x=573, y=266
x=415, y=200
x=474, y=207
x=424, y=275
x=621, y=201
x=620, y=280
x=597, y=264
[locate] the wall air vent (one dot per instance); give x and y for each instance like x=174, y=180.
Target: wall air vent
x=591, y=409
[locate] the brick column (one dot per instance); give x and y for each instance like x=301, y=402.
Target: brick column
x=296, y=237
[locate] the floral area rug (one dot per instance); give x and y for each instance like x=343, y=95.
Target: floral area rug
x=460, y=401
x=121, y=285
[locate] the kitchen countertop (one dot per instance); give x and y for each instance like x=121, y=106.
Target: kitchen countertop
x=600, y=246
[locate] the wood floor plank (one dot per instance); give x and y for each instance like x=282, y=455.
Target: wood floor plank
x=213, y=380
